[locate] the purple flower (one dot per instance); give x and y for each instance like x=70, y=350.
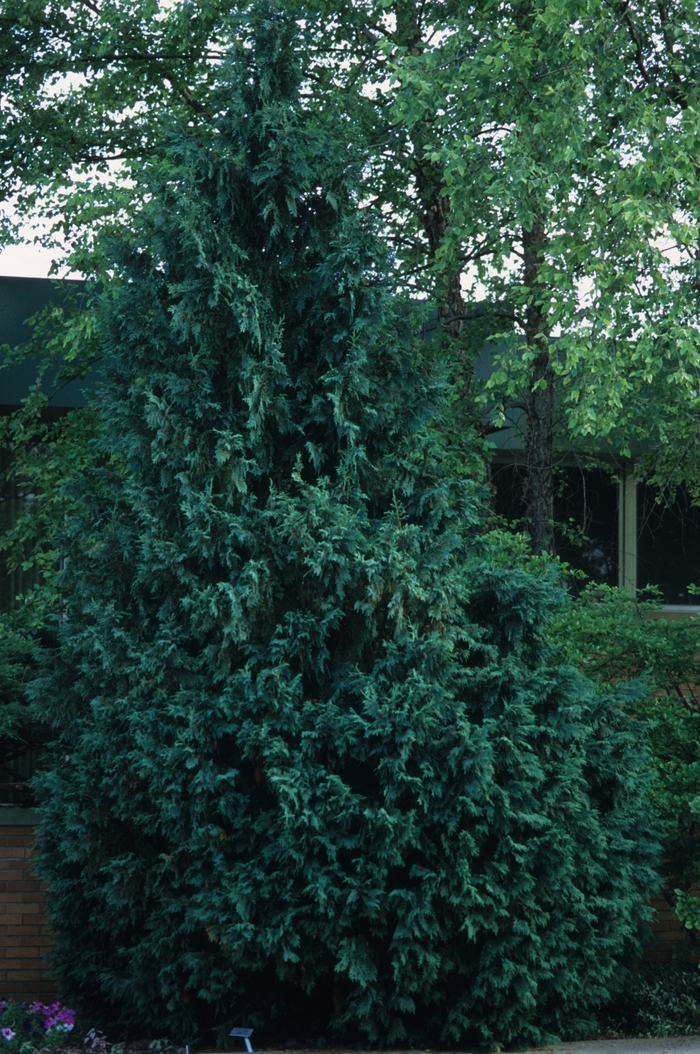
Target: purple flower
x=7, y=1033
x=56, y=1017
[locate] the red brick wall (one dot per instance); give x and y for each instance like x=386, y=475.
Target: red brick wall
x=24, y=930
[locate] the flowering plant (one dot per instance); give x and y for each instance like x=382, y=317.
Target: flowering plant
x=28, y=1027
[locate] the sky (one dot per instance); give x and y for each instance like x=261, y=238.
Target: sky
x=25, y=261
x=29, y=260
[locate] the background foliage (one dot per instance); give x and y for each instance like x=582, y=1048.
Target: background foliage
x=612, y=637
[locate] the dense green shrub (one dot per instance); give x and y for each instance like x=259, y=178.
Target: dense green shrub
x=657, y=999
x=313, y=772
x=612, y=636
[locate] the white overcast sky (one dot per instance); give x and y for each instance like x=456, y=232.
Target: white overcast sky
x=29, y=260
x=25, y=261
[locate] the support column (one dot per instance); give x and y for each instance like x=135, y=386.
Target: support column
x=627, y=531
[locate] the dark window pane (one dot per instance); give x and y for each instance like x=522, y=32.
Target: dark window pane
x=585, y=515
x=8, y=511
x=508, y=483
x=13, y=501
x=17, y=767
x=19, y=753
x=668, y=552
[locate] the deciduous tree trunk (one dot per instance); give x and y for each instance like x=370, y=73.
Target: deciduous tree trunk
x=433, y=203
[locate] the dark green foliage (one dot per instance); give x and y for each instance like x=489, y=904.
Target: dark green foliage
x=657, y=999
x=313, y=773
x=39, y=453
x=612, y=636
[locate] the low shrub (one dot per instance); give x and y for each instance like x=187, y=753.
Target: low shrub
x=658, y=999
x=28, y=1027
x=611, y=637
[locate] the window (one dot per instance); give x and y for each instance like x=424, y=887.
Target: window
x=616, y=530
x=13, y=582
x=18, y=755
x=585, y=513
x=668, y=545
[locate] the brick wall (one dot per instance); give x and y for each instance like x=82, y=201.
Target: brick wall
x=24, y=930
x=672, y=939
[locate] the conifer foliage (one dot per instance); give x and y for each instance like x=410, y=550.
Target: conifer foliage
x=313, y=773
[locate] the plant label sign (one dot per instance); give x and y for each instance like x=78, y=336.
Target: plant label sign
x=245, y=1034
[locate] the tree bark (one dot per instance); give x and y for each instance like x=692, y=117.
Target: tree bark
x=435, y=218
x=434, y=205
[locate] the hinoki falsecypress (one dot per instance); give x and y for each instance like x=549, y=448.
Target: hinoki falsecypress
x=313, y=772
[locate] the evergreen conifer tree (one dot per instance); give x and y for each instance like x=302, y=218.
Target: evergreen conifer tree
x=313, y=773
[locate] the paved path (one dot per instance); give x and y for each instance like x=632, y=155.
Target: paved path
x=671, y=1045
